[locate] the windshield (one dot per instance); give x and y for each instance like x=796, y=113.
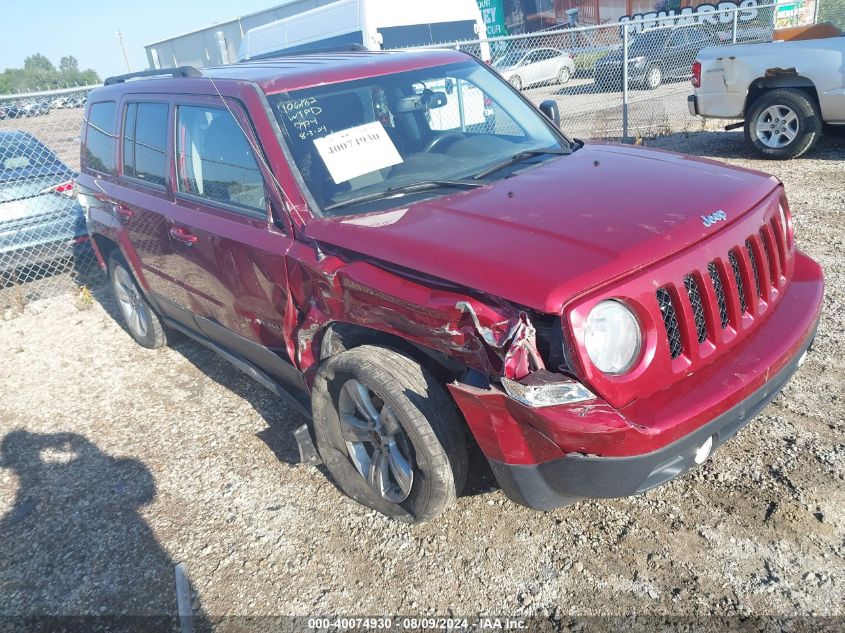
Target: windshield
x=356, y=139
x=507, y=60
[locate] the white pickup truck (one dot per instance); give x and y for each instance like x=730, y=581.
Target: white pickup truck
x=784, y=91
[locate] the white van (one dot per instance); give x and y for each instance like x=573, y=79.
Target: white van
x=373, y=24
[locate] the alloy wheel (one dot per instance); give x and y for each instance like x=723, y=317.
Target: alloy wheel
x=131, y=303
x=377, y=445
x=777, y=126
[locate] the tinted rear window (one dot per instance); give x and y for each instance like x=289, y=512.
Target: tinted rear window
x=100, y=140
x=145, y=142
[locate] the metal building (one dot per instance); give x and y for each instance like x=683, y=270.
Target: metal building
x=218, y=44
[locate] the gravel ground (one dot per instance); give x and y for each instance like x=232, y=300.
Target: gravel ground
x=116, y=462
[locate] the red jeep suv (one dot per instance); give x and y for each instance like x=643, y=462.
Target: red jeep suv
x=405, y=245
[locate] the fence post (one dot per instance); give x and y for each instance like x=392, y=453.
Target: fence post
x=624, y=82
x=735, y=25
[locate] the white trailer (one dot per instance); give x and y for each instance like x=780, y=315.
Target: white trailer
x=373, y=24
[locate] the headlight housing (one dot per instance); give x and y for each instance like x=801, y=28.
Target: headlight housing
x=638, y=62
x=612, y=337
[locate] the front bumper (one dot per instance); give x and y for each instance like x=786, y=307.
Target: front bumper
x=563, y=481
x=611, y=75
x=551, y=456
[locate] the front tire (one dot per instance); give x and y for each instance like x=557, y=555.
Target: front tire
x=782, y=124
x=389, y=434
x=141, y=321
x=516, y=82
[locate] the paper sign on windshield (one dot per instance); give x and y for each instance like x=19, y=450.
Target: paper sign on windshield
x=357, y=151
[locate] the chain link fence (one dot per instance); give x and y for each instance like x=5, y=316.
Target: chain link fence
x=623, y=80
x=629, y=79
x=44, y=246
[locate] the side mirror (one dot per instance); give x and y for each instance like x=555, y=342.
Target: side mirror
x=550, y=109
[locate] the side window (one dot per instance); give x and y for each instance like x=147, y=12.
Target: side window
x=214, y=159
x=699, y=37
x=100, y=138
x=679, y=38
x=129, y=140
x=145, y=142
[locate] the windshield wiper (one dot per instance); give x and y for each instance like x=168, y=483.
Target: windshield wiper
x=415, y=187
x=519, y=157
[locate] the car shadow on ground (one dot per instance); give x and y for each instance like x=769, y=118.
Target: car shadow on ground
x=731, y=144
x=77, y=554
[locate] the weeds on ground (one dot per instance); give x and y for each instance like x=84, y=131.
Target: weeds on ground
x=84, y=299
x=14, y=301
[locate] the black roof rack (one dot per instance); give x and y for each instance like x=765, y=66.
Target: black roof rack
x=341, y=48
x=179, y=71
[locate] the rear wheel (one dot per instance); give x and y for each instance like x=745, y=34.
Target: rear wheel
x=389, y=433
x=516, y=82
x=782, y=123
x=654, y=77
x=563, y=76
x=141, y=320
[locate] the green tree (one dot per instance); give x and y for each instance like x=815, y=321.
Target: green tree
x=39, y=73
x=38, y=62
x=69, y=65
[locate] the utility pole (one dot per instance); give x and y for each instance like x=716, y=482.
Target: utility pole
x=123, y=47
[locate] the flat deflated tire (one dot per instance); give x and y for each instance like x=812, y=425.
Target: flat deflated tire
x=782, y=123
x=389, y=433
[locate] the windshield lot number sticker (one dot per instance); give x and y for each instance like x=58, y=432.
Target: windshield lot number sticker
x=357, y=151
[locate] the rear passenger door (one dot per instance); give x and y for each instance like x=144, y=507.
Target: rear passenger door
x=144, y=200
x=230, y=251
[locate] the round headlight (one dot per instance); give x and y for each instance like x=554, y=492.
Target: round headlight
x=612, y=337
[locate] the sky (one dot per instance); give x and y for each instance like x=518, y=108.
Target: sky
x=86, y=28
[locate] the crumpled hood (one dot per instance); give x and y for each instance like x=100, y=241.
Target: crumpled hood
x=543, y=236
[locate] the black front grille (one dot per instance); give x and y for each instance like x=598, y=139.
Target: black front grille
x=670, y=320
x=738, y=277
x=697, y=307
x=716, y=278
x=753, y=261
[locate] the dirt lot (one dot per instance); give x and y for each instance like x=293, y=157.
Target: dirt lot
x=117, y=462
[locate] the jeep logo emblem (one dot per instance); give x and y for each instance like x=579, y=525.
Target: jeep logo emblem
x=710, y=220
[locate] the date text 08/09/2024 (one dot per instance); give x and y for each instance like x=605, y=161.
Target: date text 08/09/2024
x=417, y=623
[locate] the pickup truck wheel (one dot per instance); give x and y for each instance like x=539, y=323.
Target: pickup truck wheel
x=141, y=320
x=389, y=434
x=782, y=124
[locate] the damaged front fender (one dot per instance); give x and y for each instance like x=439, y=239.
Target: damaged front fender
x=484, y=334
